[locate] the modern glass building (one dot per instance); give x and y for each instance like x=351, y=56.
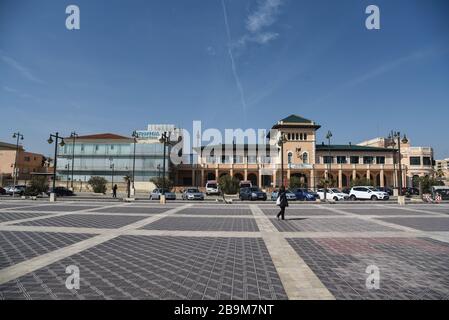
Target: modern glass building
x=109, y=155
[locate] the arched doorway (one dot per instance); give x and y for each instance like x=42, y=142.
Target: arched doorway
x=344, y=181
x=238, y=176
x=210, y=176
x=253, y=178
x=266, y=181
x=302, y=179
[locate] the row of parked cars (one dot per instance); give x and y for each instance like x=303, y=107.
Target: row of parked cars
x=20, y=190
x=300, y=194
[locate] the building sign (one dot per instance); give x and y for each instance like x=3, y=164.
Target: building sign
x=148, y=135
x=300, y=166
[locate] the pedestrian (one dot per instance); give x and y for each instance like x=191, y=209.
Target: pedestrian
x=282, y=202
x=114, y=191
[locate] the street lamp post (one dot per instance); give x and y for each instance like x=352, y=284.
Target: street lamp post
x=55, y=162
x=165, y=139
x=281, y=142
x=395, y=138
x=158, y=170
x=134, y=135
x=18, y=136
x=73, y=135
x=112, y=167
x=328, y=137
x=67, y=166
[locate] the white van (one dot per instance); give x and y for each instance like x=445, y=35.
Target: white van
x=212, y=187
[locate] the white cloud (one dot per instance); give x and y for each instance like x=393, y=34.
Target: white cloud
x=264, y=16
x=257, y=22
x=25, y=72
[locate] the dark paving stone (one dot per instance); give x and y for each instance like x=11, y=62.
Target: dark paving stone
x=141, y=267
x=20, y=246
x=60, y=208
x=423, y=224
x=328, y=225
x=13, y=205
x=85, y=221
x=301, y=212
x=384, y=212
x=409, y=268
x=10, y=216
x=132, y=210
x=216, y=211
x=204, y=224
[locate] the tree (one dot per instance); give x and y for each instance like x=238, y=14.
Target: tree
x=38, y=185
x=228, y=185
x=427, y=183
x=98, y=184
x=162, y=182
x=296, y=182
x=361, y=182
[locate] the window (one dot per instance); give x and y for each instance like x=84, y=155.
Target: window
x=27, y=159
x=305, y=136
x=355, y=160
x=301, y=136
x=415, y=161
x=341, y=159
x=328, y=159
x=112, y=147
x=427, y=161
x=305, y=158
x=96, y=147
x=368, y=160
x=289, y=136
x=82, y=147
x=380, y=160
x=290, y=155
x=297, y=136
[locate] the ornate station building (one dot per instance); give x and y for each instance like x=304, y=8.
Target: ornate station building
x=376, y=160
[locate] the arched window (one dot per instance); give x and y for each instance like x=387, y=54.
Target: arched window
x=289, y=136
x=305, y=158
x=290, y=155
x=300, y=136
x=297, y=136
x=305, y=136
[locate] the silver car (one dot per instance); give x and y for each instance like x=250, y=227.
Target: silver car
x=156, y=194
x=192, y=194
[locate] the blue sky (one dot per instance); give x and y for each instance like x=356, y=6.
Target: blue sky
x=228, y=63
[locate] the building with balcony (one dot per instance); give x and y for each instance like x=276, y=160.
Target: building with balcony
x=27, y=164
x=311, y=162
x=442, y=170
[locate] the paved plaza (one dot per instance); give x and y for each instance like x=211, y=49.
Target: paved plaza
x=197, y=250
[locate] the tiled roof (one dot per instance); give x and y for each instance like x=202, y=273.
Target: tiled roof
x=296, y=119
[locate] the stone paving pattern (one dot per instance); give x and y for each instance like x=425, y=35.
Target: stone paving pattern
x=151, y=251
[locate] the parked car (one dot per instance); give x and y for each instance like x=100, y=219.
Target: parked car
x=2, y=191
x=346, y=190
x=245, y=184
x=410, y=191
x=19, y=190
x=304, y=194
x=290, y=195
x=156, y=194
x=212, y=188
x=253, y=193
x=192, y=194
x=442, y=191
x=61, y=192
x=333, y=194
x=367, y=193
x=386, y=189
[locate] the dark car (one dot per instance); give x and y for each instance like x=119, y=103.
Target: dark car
x=410, y=191
x=346, y=190
x=304, y=194
x=2, y=191
x=385, y=189
x=252, y=193
x=61, y=192
x=17, y=190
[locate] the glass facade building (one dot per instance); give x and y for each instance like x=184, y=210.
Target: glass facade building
x=106, y=155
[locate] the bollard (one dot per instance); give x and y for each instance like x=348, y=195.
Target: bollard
x=162, y=199
x=52, y=197
x=401, y=200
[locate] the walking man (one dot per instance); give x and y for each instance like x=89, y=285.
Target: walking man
x=282, y=202
x=114, y=191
